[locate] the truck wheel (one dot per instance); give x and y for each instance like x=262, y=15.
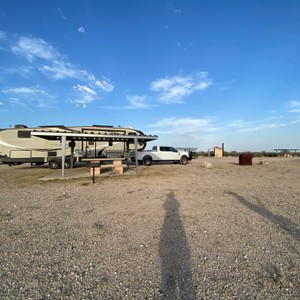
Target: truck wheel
x=53, y=164
x=184, y=160
x=147, y=161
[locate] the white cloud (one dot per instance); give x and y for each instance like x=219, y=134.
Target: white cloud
x=29, y=97
x=17, y=102
x=24, y=91
x=104, y=85
x=2, y=35
x=185, y=132
x=173, y=90
x=261, y=127
x=46, y=59
x=50, y=62
x=60, y=70
x=293, y=106
x=136, y=101
x=296, y=121
x=243, y=126
x=33, y=49
x=24, y=71
x=60, y=12
x=88, y=75
x=81, y=29
x=238, y=124
x=84, y=95
x=85, y=89
x=183, y=125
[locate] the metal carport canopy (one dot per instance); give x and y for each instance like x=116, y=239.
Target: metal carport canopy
x=71, y=136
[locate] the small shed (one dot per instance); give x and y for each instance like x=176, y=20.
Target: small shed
x=218, y=152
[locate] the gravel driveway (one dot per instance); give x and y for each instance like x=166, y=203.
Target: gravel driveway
x=170, y=232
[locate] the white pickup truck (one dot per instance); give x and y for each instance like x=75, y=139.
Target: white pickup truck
x=163, y=153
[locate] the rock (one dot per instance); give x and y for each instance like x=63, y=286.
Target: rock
x=207, y=165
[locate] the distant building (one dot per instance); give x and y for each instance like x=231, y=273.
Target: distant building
x=218, y=152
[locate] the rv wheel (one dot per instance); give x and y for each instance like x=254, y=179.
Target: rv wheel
x=67, y=164
x=53, y=164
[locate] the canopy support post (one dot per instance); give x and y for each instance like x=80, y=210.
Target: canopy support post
x=63, y=158
x=136, y=154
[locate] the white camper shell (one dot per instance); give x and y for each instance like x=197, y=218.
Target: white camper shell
x=18, y=145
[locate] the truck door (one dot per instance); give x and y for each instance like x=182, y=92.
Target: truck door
x=169, y=153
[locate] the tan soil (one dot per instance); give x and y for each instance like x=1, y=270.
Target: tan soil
x=170, y=232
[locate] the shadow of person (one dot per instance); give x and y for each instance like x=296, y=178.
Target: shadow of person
x=176, y=276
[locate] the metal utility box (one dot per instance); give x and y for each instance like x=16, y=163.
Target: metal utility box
x=245, y=159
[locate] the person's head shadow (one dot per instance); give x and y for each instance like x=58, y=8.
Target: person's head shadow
x=171, y=205
x=176, y=275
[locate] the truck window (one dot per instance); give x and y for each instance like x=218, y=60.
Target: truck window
x=154, y=148
x=173, y=149
x=168, y=149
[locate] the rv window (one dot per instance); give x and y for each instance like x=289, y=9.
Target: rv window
x=24, y=134
x=52, y=153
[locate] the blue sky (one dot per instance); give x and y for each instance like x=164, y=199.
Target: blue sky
x=198, y=73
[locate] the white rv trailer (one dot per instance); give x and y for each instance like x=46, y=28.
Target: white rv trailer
x=18, y=146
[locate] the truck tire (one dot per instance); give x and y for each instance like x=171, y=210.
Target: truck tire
x=184, y=160
x=147, y=161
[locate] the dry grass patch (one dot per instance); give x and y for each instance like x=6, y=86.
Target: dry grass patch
x=22, y=175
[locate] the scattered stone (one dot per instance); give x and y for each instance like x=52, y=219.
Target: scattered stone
x=207, y=165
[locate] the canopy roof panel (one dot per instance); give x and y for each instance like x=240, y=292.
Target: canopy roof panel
x=71, y=136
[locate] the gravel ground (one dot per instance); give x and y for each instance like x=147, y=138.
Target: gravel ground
x=170, y=232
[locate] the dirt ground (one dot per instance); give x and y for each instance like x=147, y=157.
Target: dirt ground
x=209, y=230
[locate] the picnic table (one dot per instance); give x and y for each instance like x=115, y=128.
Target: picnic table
x=96, y=164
